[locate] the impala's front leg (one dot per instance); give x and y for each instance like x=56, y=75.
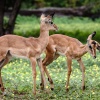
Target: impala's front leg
x=49, y=78
x=42, y=83
x=48, y=59
x=83, y=73
x=39, y=61
x=69, y=63
x=33, y=62
x=1, y=84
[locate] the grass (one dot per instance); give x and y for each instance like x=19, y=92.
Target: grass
x=77, y=27
x=17, y=78
x=17, y=75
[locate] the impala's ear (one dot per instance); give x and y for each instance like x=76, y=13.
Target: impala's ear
x=52, y=14
x=42, y=17
x=91, y=36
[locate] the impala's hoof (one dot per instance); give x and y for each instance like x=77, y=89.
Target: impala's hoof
x=52, y=89
x=34, y=93
x=40, y=84
x=67, y=89
x=42, y=87
x=83, y=88
x=48, y=79
x=4, y=93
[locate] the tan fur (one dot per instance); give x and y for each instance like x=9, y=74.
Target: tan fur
x=30, y=48
x=72, y=49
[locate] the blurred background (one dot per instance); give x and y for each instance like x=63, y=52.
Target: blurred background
x=75, y=18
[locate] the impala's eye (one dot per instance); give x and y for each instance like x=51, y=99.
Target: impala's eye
x=90, y=47
x=94, y=42
x=51, y=22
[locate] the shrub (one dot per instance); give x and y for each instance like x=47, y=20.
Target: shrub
x=77, y=27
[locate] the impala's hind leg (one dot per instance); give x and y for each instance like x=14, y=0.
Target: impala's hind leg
x=40, y=64
x=83, y=73
x=69, y=64
x=46, y=61
x=2, y=63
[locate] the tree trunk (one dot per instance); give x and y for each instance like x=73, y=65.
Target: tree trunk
x=2, y=2
x=11, y=22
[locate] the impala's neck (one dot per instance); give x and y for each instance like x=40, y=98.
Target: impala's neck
x=44, y=37
x=84, y=49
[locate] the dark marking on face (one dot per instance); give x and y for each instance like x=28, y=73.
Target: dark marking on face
x=90, y=47
x=0, y=85
x=94, y=42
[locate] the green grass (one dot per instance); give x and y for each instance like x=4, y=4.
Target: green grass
x=17, y=78
x=17, y=75
x=77, y=27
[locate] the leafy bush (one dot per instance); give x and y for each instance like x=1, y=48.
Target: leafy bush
x=77, y=27
x=27, y=26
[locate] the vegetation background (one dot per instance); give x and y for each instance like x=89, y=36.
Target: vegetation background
x=76, y=26
x=17, y=75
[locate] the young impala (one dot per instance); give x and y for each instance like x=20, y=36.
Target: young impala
x=72, y=49
x=31, y=48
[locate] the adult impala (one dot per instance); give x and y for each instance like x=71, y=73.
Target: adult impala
x=30, y=48
x=72, y=49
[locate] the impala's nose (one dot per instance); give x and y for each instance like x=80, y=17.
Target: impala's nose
x=56, y=28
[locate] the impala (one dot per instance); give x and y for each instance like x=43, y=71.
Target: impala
x=31, y=48
x=72, y=49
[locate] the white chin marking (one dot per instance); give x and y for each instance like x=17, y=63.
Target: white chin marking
x=4, y=93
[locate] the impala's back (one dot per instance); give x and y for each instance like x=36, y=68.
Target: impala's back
x=64, y=44
x=18, y=46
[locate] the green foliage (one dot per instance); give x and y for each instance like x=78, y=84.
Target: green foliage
x=94, y=4
x=77, y=27
x=29, y=4
x=27, y=26
x=5, y=22
x=56, y=3
x=17, y=78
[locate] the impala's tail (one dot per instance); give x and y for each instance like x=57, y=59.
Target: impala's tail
x=6, y=59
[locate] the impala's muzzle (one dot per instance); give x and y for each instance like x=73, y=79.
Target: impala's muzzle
x=56, y=28
x=98, y=48
x=93, y=52
x=94, y=57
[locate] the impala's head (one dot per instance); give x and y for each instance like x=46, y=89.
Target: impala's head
x=47, y=22
x=92, y=45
